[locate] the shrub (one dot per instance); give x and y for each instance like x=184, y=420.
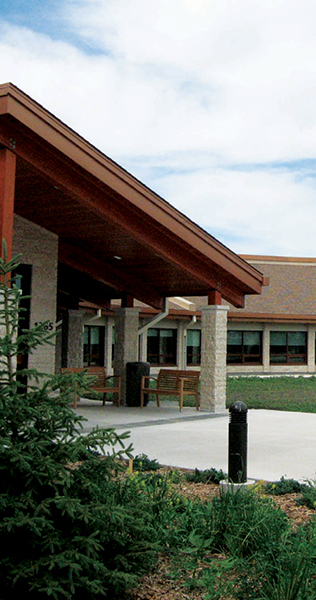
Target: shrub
x=308, y=497
x=143, y=463
x=245, y=522
x=284, y=486
x=207, y=476
x=66, y=530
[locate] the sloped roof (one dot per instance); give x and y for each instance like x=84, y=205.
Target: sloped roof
x=291, y=294
x=116, y=236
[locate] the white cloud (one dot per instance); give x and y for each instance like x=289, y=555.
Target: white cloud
x=194, y=88
x=273, y=212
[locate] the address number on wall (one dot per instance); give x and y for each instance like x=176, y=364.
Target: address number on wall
x=48, y=326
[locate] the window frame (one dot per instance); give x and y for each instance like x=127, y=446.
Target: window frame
x=161, y=355
x=100, y=360
x=289, y=356
x=198, y=362
x=257, y=358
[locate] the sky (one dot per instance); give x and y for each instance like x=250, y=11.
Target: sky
x=210, y=103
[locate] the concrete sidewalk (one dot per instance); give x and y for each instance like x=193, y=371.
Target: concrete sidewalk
x=279, y=443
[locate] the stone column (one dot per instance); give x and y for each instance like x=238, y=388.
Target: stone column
x=213, y=358
x=266, y=348
x=74, y=342
x=126, y=342
x=311, y=348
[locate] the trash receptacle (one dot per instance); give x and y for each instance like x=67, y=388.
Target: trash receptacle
x=134, y=374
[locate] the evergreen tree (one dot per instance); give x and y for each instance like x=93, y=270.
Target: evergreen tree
x=65, y=531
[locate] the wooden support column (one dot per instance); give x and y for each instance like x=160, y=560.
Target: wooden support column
x=7, y=187
x=127, y=301
x=214, y=298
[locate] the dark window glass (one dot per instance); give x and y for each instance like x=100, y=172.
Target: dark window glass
x=193, y=347
x=93, y=346
x=244, y=347
x=162, y=346
x=22, y=277
x=113, y=346
x=288, y=347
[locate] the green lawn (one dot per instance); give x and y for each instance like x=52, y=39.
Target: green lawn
x=274, y=393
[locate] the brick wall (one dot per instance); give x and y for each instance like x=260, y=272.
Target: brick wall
x=39, y=248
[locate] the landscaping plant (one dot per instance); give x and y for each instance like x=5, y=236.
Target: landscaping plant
x=65, y=531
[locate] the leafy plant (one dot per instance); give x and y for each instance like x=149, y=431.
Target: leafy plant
x=245, y=522
x=143, y=463
x=308, y=497
x=206, y=476
x=284, y=486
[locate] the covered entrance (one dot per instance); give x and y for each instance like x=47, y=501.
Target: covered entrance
x=93, y=232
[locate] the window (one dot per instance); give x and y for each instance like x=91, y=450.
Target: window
x=193, y=347
x=244, y=347
x=22, y=277
x=162, y=346
x=113, y=346
x=288, y=347
x=93, y=346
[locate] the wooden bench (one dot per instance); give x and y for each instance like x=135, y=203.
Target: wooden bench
x=102, y=384
x=172, y=383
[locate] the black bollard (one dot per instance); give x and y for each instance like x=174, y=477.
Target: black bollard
x=237, y=443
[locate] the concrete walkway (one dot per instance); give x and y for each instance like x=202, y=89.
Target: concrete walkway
x=279, y=443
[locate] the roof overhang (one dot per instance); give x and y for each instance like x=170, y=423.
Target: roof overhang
x=111, y=227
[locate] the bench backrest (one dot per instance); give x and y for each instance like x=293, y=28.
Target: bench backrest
x=170, y=380
x=100, y=376
x=98, y=372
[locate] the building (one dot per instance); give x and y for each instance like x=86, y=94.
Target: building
x=274, y=333
x=87, y=230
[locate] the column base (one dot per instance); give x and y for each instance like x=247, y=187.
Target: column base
x=228, y=486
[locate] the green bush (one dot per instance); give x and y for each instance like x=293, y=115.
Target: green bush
x=206, y=476
x=285, y=486
x=245, y=523
x=67, y=530
x=246, y=549
x=143, y=463
x=308, y=497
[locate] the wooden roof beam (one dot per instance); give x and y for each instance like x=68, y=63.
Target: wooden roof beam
x=106, y=274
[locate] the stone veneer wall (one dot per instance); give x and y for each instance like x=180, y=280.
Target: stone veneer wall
x=75, y=345
x=213, y=358
x=39, y=248
x=126, y=342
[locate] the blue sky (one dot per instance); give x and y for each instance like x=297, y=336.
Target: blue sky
x=211, y=103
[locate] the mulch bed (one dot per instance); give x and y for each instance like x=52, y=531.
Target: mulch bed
x=160, y=586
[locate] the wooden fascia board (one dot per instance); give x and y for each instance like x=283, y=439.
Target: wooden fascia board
x=46, y=126
x=270, y=317
x=168, y=246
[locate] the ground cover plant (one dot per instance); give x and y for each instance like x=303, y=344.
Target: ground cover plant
x=235, y=546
